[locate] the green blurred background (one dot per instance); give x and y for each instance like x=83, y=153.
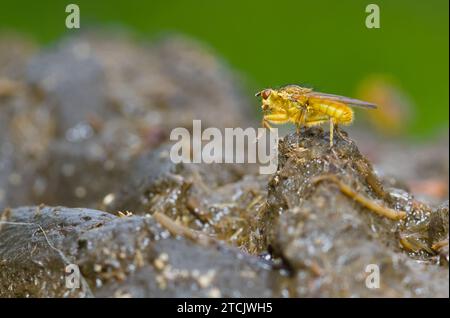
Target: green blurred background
x=322, y=43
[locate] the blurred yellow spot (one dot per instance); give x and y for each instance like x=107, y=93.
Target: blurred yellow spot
x=395, y=109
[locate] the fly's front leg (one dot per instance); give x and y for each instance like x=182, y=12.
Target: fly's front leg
x=266, y=124
x=273, y=118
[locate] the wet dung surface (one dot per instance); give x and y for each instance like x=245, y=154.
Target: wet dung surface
x=86, y=183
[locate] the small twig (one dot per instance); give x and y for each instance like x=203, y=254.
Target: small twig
x=371, y=179
x=365, y=202
x=194, y=208
x=438, y=245
x=180, y=230
x=254, y=202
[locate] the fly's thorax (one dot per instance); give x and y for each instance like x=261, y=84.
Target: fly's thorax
x=275, y=103
x=282, y=102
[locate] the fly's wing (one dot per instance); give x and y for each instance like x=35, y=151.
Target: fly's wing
x=295, y=90
x=342, y=99
x=294, y=93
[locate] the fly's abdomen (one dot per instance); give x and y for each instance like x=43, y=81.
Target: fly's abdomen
x=339, y=112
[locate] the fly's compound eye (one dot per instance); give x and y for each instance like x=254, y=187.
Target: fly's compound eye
x=265, y=93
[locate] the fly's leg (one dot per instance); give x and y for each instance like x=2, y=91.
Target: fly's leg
x=276, y=118
x=299, y=119
x=331, y=132
x=365, y=202
x=338, y=131
x=273, y=118
x=335, y=128
x=266, y=124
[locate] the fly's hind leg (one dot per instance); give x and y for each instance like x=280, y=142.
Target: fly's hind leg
x=335, y=128
x=340, y=134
